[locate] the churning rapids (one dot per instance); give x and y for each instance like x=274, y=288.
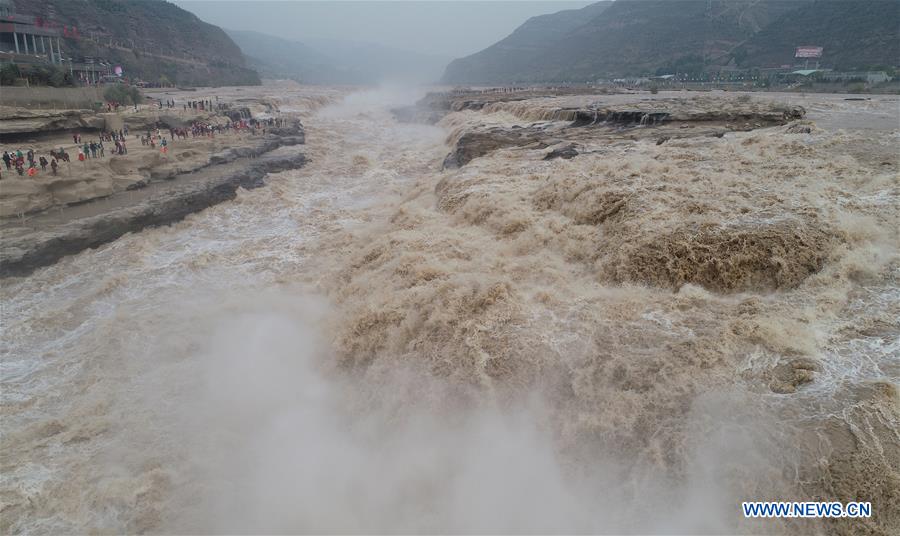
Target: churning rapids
x=370, y=344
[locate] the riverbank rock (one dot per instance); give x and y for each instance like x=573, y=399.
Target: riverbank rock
x=21, y=253
x=20, y=121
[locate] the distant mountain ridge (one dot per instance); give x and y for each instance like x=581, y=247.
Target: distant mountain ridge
x=150, y=39
x=329, y=62
x=274, y=57
x=856, y=35
x=645, y=37
x=521, y=50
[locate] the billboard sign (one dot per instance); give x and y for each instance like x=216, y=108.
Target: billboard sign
x=808, y=52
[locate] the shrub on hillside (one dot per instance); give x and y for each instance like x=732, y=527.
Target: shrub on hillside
x=9, y=73
x=123, y=94
x=50, y=75
x=37, y=75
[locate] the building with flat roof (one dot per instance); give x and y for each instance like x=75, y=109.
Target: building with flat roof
x=27, y=39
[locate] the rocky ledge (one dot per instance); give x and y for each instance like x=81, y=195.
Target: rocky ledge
x=24, y=121
x=45, y=238
x=80, y=182
x=547, y=124
x=436, y=104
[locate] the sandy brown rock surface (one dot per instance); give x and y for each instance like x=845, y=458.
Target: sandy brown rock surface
x=96, y=178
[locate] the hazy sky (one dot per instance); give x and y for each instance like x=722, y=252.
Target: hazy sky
x=452, y=29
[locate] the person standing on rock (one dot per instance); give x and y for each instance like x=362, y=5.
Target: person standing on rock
x=53, y=166
x=86, y=149
x=43, y=162
x=7, y=160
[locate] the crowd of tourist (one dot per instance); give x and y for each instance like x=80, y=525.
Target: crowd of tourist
x=113, y=106
x=17, y=160
x=30, y=164
x=203, y=105
x=194, y=105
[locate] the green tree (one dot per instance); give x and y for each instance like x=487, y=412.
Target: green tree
x=38, y=75
x=122, y=94
x=9, y=73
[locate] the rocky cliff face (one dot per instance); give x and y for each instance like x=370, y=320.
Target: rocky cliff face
x=640, y=37
x=150, y=39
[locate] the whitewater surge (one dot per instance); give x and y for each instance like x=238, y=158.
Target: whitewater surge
x=713, y=308
x=634, y=340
